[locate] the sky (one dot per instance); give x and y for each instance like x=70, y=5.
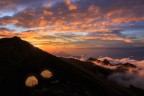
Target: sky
x=76, y=26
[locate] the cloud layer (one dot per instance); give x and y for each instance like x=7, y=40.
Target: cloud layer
x=134, y=76
x=74, y=23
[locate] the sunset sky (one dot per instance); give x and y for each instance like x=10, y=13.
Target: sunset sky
x=70, y=26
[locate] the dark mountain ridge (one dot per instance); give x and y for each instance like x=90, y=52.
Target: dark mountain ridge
x=19, y=59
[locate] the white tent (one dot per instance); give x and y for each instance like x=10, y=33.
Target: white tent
x=31, y=81
x=46, y=74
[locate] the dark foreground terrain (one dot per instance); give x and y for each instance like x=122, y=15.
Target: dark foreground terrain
x=19, y=59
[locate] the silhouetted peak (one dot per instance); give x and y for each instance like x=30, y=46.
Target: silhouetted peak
x=15, y=45
x=91, y=59
x=16, y=38
x=13, y=41
x=9, y=40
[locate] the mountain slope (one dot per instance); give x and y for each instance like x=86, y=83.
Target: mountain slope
x=19, y=59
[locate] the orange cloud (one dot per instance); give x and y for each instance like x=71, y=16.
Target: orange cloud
x=112, y=37
x=46, y=12
x=48, y=17
x=68, y=2
x=4, y=33
x=72, y=7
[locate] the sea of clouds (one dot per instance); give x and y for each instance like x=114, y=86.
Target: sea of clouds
x=135, y=76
